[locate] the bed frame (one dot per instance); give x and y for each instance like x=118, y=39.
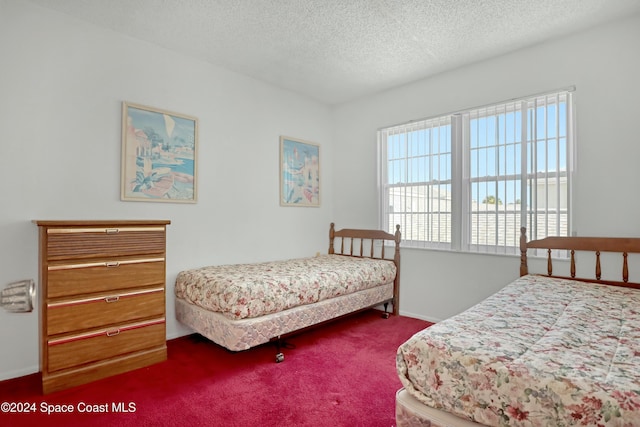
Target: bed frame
x=411, y=412
x=243, y=334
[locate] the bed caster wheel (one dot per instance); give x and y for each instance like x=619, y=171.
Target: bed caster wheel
x=279, y=357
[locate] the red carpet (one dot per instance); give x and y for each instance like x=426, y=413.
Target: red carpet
x=339, y=374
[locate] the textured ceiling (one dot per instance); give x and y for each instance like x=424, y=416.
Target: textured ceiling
x=338, y=50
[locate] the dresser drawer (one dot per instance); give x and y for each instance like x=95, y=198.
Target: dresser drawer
x=93, y=312
x=103, y=276
x=92, y=242
x=80, y=349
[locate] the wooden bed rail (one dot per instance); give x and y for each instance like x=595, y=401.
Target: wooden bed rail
x=622, y=245
x=352, y=235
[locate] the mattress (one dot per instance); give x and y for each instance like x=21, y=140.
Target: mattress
x=412, y=413
x=241, y=291
x=540, y=352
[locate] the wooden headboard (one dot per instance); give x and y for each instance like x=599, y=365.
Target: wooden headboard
x=621, y=245
x=355, y=242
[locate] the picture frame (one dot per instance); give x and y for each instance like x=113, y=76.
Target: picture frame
x=299, y=172
x=159, y=155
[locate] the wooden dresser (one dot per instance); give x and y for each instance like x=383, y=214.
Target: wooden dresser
x=102, y=299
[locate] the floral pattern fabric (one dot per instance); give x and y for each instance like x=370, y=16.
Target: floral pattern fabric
x=411, y=413
x=540, y=352
x=242, y=291
x=243, y=334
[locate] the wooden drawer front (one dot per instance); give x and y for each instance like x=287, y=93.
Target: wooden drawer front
x=68, y=316
x=104, y=344
x=65, y=243
x=65, y=280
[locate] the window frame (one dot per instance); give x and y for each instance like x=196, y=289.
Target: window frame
x=461, y=179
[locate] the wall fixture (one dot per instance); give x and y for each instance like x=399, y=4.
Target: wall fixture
x=18, y=297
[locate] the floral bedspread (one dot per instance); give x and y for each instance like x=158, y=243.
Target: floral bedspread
x=250, y=290
x=540, y=352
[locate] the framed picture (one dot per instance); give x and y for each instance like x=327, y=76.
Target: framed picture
x=159, y=152
x=299, y=172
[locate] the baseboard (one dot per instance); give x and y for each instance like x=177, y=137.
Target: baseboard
x=19, y=373
x=421, y=317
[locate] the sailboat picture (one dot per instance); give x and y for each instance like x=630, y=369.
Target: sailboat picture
x=158, y=155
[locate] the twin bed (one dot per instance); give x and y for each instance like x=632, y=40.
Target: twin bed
x=244, y=305
x=543, y=351
x=546, y=350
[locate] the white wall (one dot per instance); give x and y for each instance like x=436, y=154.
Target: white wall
x=602, y=63
x=62, y=82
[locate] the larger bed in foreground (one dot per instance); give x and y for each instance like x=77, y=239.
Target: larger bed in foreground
x=244, y=305
x=543, y=351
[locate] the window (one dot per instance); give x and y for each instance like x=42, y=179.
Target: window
x=469, y=180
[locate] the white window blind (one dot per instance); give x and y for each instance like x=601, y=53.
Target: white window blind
x=469, y=180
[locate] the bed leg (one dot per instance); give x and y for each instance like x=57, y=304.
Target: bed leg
x=279, y=354
x=385, y=315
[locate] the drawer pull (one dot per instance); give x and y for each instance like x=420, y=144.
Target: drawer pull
x=112, y=230
x=112, y=264
x=112, y=299
x=113, y=333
